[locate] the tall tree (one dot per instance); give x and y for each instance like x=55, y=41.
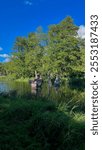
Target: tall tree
x=64, y=48
x=59, y=51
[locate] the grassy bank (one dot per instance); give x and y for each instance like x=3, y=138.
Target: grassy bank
x=9, y=78
x=2, y=77
x=23, y=79
x=39, y=125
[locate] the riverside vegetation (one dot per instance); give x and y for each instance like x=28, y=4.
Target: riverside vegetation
x=31, y=122
x=59, y=51
x=41, y=124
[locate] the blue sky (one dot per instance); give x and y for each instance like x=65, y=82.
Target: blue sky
x=19, y=17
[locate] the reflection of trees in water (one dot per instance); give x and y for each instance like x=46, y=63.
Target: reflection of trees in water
x=20, y=87
x=62, y=93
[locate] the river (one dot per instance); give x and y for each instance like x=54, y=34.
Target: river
x=24, y=89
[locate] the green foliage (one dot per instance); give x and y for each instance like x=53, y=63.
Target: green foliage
x=39, y=125
x=59, y=51
x=2, y=69
x=65, y=49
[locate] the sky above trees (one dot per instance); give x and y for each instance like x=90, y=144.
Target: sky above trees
x=19, y=17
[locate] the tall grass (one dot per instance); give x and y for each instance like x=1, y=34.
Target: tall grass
x=39, y=125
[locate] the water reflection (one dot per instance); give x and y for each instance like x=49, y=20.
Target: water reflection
x=24, y=89
x=20, y=87
x=4, y=87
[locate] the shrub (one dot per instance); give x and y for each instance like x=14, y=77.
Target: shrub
x=39, y=125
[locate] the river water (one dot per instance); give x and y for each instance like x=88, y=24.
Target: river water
x=24, y=88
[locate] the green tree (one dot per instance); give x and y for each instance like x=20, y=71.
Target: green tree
x=2, y=69
x=60, y=51
x=64, y=48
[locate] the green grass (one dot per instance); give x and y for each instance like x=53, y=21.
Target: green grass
x=39, y=125
x=22, y=80
x=12, y=78
x=2, y=77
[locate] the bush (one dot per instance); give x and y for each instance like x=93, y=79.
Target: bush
x=39, y=125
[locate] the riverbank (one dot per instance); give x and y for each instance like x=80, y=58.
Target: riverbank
x=28, y=124
x=2, y=77
x=7, y=78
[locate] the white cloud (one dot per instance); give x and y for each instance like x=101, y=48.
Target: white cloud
x=1, y=48
x=7, y=60
x=81, y=31
x=4, y=55
x=27, y=2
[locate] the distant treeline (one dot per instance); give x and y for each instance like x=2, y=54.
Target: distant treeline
x=59, y=51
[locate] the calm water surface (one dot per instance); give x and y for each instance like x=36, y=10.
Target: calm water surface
x=24, y=88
